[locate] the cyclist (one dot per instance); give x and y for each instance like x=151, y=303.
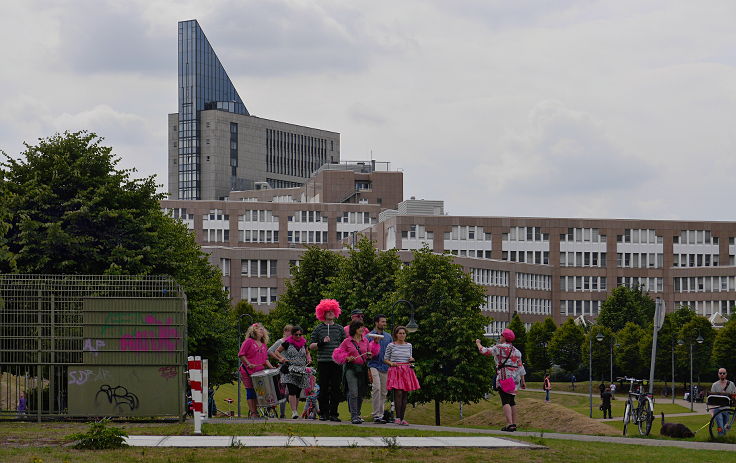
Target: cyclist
x=723, y=387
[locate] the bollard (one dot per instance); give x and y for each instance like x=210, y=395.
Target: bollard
x=195, y=383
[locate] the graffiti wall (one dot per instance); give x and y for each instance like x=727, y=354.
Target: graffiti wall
x=133, y=351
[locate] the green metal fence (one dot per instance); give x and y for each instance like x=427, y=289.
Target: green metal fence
x=82, y=346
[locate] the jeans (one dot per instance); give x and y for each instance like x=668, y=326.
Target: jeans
x=722, y=419
x=546, y=395
x=355, y=400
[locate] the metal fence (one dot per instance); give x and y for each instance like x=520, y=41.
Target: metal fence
x=86, y=346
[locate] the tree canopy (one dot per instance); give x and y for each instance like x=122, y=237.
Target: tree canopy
x=538, y=339
x=626, y=305
x=517, y=326
x=68, y=209
x=565, y=345
x=724, y=347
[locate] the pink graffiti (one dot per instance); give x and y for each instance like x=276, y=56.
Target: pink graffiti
x=167, y=372
x=163, y=338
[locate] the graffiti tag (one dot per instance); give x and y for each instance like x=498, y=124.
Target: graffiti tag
x=162, y=338
x=118, y=396
x=83, y=376
x=98, y=345
x=167, y=372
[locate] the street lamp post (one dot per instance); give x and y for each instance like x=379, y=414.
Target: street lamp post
x=240, y=342
x=599, y=338
x=699, y=340
x=412, y=326
x=672, y=342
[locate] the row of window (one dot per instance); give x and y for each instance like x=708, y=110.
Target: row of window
x=310, y=237
x=357, y=217
x=258, y=215
x=639, y=260
x=417, y=232
x=646, y=236
x=294, y=154
x=258, y=236
x=583, y=283
x=307, y=217
x=582, y=235
x=525, y=234
x=695, y=260
x=530, y=257
x=276, y=183
x=695, y=237
x=705, y=284
x=216, y=235
x=583, y=259
x=462, y=232
x=496, y=303
x=478, y=253
x=216, y=214
x=648, y=284
x=534, y=281
x=258, y=268
x=533, y=306
x=487, y=277
x=708, y=308
x=258, y=295
x=576, y=308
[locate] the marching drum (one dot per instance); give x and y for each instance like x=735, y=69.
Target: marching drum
x=268, y=388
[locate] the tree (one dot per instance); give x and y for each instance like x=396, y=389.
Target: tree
x=517, y=326
x=626, y=305
x=447, y=309
x=306, y=287
x=7, y=260
x=72, y=211
x=365, y=278
x=702, y=362
x=564, y=347
x=601, y=351
x=538, y=338
x=628, y=356
x=665, y=343
x=724, y=347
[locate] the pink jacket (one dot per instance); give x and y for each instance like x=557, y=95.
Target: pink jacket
x=347, y=349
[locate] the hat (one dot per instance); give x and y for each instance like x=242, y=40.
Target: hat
x=356, y=312
x=508, y=335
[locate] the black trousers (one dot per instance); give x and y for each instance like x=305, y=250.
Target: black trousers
x=330, y=385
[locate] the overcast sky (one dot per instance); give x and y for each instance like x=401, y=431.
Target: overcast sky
x=610, y=109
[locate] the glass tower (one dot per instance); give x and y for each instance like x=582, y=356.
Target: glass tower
x=203, y=84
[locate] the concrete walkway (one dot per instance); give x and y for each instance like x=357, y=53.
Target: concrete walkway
x=305, y=441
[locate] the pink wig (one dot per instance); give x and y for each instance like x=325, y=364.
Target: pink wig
x=327, y=305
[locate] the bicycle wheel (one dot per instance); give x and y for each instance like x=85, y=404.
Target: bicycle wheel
x=722, y=428
x=646, y=417
x=627, y=415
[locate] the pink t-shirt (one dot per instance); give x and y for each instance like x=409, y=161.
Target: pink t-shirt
x=256, y=353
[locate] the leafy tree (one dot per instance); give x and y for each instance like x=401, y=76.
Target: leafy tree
x=447, y=309
x=517, y=326
x=7, y=260
x=565, y=345
x=725, y=346
x=365, y=278
x=72, y=211
x=698, y=326
x=626, y=305
x=628, y=356
x=306, y=287
x=666, y=341
x=537, y=342
x=601, y=351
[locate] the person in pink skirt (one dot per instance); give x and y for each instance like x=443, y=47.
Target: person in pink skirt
x=253, y=357
x=401, y=377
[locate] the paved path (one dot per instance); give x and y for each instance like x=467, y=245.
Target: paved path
x=306, y=441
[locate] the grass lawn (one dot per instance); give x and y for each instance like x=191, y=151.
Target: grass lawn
x=556, y=451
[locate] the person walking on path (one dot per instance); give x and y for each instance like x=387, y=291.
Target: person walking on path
x=606, y=398
x=401, y=376
x=547, y=386
x=295, y=370
x=353, y=354
x=272, y=354
x=326, y=337
x=253, y=357
x=510, y=374
x=572, y=381
x=378, y=370
x=722, y=387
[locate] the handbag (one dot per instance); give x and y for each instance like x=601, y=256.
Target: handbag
x=508, y=385
x=495, y=381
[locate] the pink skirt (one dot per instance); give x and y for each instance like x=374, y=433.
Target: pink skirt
x=402, y=377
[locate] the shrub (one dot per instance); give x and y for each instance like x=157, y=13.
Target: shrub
x=100, y=436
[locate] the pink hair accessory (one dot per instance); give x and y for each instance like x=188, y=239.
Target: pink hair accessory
x=327, y=305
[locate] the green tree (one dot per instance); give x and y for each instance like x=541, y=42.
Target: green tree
x=724, y=347
x=538, y=339
x=306, y=287
x=626, y=305
x=666, y=341
x=627, y=356
x=366, y=276
x=565, y=345
x=517, y=326
x=7, y=260
x=72, y=211
x=601, y=351
x=702, y=361
x=447, y=309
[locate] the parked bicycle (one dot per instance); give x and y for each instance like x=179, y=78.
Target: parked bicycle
x=725, y=412
x=639, y=407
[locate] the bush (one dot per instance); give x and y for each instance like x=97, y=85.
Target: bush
x=100, y=436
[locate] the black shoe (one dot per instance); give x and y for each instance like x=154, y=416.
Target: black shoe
x=379, y=421
x=357, y=421
x=323, y=418
x=335, y=419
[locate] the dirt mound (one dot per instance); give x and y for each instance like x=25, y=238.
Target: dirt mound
x=538, y=414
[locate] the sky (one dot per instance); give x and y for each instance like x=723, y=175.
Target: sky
x=564, y=108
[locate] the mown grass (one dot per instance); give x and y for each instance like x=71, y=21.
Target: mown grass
x=557, y=451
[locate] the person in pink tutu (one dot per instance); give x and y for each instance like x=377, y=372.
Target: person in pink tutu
x=253, y=357
x=353, y=354
x=401, y=377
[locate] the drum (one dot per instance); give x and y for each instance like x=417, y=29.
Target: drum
x=268, y=388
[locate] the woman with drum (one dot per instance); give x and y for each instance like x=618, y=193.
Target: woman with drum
x=253, y=356
x=293, y=355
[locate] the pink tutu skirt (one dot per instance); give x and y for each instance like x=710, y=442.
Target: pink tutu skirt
x=402, y=377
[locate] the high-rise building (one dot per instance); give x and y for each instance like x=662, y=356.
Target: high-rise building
x=216, y=146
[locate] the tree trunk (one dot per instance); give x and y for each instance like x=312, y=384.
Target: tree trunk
x=436, y=412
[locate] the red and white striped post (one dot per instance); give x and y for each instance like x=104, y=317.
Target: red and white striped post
x=195, y=383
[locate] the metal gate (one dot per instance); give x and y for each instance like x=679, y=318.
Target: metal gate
x=81, y=346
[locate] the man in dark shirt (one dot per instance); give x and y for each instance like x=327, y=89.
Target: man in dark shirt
x=326, y=337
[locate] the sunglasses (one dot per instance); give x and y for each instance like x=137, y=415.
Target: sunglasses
x=721, y=372
x=296, y=334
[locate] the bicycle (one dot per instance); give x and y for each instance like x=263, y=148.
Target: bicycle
x=723, y=419
x=643, y=413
